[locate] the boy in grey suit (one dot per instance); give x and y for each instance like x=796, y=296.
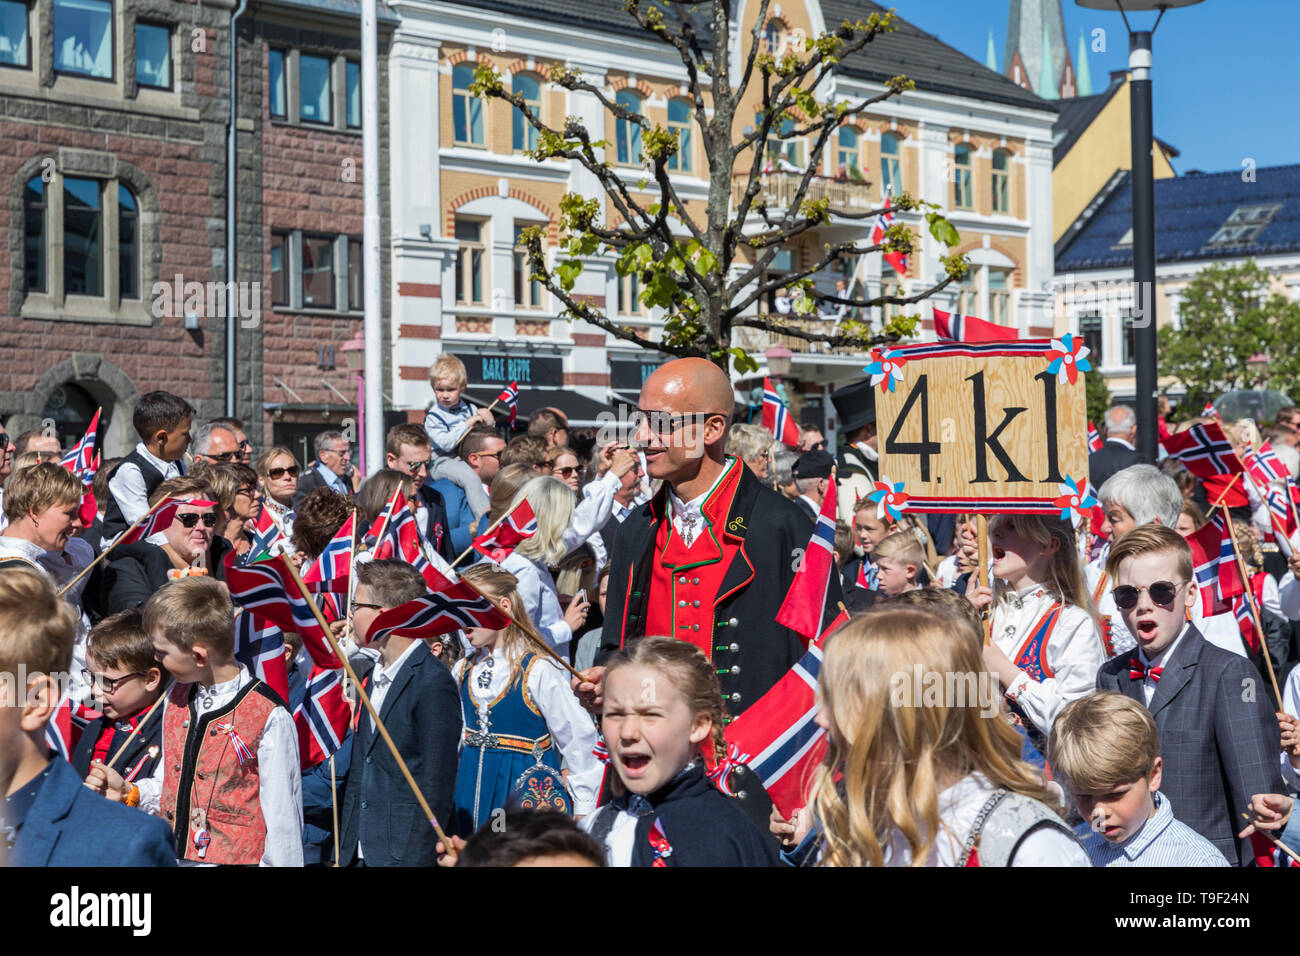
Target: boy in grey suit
x=1219, y=737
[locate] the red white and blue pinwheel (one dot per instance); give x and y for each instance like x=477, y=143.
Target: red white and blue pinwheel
x=1075, y=502
x=889, y=498
x=886, y=368
x=1067, y=357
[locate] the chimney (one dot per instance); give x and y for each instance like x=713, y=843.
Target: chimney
x=1118, y=76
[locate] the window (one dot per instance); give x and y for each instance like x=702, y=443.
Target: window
x=314, y=89
x=774, y=36
x=1244, y=225
x=891, y=165
x=469, y=262
x=1130, y=340
x=83, y=237
x=629, y=294
x=317, y=272
x=1090, y=331
x=275, y=82
x=34, y=234
x=356, y=276
x=352, y=74
x=15, y=42
x=967, y=293
x=153, y=55
x=846, y=153
x=279, y=261
x=999, y=297
x=466, y=110
x=629, y=132
x=963, y=196
x=128, y=244
x=791, y=148
x=528, y=292
x=83, y=37
x=891, y=284
x=679, y=124
x=1001, y=192
x=523, y=134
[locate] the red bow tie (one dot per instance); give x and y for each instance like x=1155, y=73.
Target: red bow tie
x=1137, y=671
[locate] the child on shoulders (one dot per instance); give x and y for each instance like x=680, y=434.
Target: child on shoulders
x=448, y=420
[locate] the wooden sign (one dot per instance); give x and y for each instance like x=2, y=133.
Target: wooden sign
x=982, y=428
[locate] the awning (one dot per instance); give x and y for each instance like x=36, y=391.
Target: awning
x=582, y=412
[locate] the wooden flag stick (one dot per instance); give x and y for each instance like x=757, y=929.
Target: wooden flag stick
x=1276, y=842
x=138, y=727
x=1254, y=608
x=370, y=708
x=111, y=545
x=983, y=573
x=528, y=630
x=334, y=808
x=460, y=557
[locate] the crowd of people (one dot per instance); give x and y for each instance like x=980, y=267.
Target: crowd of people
x=1077, y=702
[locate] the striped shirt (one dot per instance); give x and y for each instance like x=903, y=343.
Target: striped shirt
x=1162, y=841
x=447, y=426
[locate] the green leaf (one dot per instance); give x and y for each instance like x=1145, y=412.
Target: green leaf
x=706, y=262
x=744, y=362
x=568, y=272
x=943, y=230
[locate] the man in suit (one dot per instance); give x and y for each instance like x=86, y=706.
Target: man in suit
x=1219, y=738
x=1118, y=452
x=47, y=816
x=333, y=468
x=812, y=475
x=381, y=823
x=481, y=449
x=407, y=450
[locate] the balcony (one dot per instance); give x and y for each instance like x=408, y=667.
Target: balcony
x=777, y=189
x=756, y=341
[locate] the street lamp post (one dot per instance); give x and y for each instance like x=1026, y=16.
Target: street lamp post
x=1144, y=210
x=354, y=350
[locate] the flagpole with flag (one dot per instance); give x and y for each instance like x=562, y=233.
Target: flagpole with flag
x=804, y=607
x=1279, y=532
x=113, y=544
x=370, y=708
x=1256, y=620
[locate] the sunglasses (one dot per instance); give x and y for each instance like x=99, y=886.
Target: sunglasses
x=566, y=471
x=4, y=441
x=225, y=456
x=1162, y=593
x=414, y=466
x=275, y=474
x=190, y=520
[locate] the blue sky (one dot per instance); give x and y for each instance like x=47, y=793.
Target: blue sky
x=1224, y=85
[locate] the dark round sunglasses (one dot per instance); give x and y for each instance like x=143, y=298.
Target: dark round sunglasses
x=191, y=519
x=1162, y=593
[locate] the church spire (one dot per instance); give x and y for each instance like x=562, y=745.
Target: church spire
x=991, y=59
x=1047, y=78
x=1085, y=75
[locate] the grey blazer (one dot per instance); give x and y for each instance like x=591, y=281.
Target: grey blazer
x=1219, y=738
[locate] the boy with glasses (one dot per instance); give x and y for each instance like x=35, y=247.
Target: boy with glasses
x=1219, y=738
x=126, y=682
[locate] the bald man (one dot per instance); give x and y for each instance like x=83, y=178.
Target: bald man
x=710, y=558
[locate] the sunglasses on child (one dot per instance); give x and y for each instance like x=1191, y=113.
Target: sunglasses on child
x=192, y=519
x=275, y=474
x=1162, y=593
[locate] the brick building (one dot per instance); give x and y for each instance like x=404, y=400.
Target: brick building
x=113, y=115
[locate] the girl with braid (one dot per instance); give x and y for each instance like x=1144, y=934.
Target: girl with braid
x=663, y=722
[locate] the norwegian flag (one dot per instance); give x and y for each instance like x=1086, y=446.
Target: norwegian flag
x=450, y=609
x=267, y=589
x=161, y=519
x=65, y=727
x=81, y=459
x=951, y=327
x=1209, y=411
x=1267, y=853
x=259, y=646
x=322, y=717
x=776, y=417
x=402, y=541
x=777, y=738
x=805, y=602
x=1246, y=624
x=1214, y=566
x=1095, y=441
x=330, y=570
x=509, y=397
x=1204, y=450
x=1264, y=465
x=89, y=509
x=519, y=525
x=332, y=606
x=1283, y=524
x=265, y=534
x=896, y=259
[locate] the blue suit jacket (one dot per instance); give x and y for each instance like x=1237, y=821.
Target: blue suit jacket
x=70, y=825
x=459, y=515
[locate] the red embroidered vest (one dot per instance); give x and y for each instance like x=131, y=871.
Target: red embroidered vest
x=203, y=773
x=685, y=582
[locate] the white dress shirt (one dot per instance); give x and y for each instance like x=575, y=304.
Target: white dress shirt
x=128, y=489
x=688, y=516
x=959, y=805
x=1149, y=682
x=1074, y=653
x=381, y=678
x=278, y=777
x=591, y=513
x=536, y=589
x=571, y=727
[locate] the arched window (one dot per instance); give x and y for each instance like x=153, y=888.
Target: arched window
x=466, y=110
x=679, y=124
x=128, y=244
x=963, y=197
x=773, y=36
x=628, y=132
x=523, y=133
x=846, y=154
x=1001, y=192
x=891, y=165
